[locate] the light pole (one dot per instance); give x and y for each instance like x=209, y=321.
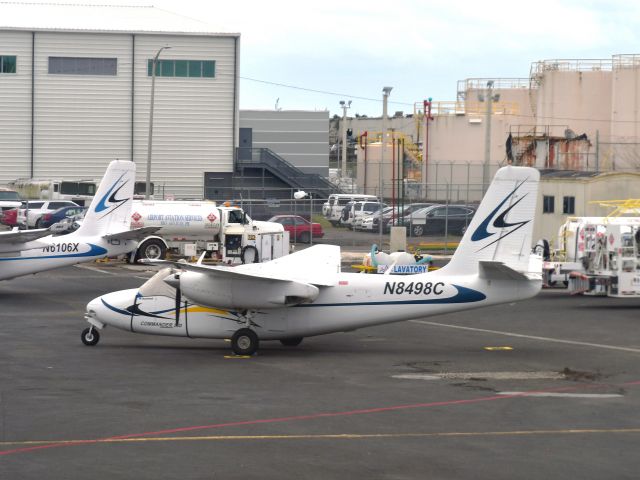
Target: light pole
x=299, y=195
x=385, y=97
x=147, y=188
x=344, y=106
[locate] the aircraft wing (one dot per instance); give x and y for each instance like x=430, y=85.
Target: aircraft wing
x=318, y=265
x=23, y=236
x=135, y=234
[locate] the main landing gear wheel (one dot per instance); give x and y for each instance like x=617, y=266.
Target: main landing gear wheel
x=244, y=342
x=90, y=336
x=291, y=342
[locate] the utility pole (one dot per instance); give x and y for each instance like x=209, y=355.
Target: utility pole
x=345, y=106
x=425, y=150
x=386, y=91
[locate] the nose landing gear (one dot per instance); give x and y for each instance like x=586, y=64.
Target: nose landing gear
x=90, y=336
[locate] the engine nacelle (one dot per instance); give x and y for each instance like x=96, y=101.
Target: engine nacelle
x=243, y=292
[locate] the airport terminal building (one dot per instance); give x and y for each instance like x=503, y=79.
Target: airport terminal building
x=75, y=87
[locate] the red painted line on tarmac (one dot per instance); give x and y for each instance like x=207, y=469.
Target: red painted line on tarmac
x=307, y=417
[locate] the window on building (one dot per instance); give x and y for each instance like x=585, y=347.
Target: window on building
x=548, y=204
x=569, y=205
x=183, y=68
x=7, y=64
x=83, y=66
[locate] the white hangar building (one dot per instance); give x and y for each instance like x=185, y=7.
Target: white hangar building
x=75, y=85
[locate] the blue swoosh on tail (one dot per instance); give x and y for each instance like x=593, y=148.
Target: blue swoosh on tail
x=110, y=197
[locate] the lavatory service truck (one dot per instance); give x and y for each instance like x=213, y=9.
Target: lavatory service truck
x=190, y=227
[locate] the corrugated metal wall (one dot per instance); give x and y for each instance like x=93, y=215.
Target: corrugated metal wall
x=193, y=128
x=15, y=108
x=84, y=121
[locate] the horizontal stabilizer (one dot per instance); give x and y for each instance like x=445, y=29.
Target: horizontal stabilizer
x=498, y=271
x=23, y=236
x=135, y=234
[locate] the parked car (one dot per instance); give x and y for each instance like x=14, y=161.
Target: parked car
x=9, y=199
x=437, y=219
x=299, y=228
x=370, y=221
x=56, y=216
x=37, y=208
x=9, y=217
x=391, y=216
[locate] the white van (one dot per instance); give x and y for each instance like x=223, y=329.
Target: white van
x=357, y=212
x=332, y=208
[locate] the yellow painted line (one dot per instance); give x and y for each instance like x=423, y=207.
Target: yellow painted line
x=340, y=436
x=493, y=349
x=237, y=356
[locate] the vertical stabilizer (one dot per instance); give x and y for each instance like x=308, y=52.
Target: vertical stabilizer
x=110, y=209
x=502, y=228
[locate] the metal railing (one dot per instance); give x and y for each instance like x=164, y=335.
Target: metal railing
x=266, y=158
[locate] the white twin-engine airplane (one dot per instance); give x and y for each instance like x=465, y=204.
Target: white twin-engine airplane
x=305, y=294
x=104, y=232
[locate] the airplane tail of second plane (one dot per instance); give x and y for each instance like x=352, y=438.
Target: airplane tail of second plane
x=502, y=228
x=110, y=209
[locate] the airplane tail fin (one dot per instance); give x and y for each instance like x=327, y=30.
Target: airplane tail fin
x=110, y=209
x=502, y=228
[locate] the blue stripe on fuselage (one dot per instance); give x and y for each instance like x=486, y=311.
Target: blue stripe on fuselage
x=94, y=251
x=464, y=295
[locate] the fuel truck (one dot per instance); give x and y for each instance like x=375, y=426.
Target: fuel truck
x=188, y=228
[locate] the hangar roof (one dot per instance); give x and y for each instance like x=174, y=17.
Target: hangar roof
x=101, y=18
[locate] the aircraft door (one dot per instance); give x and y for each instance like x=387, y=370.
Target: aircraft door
x=156, y=315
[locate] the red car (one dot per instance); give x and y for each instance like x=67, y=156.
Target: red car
x=299, y=228
x=9, y=217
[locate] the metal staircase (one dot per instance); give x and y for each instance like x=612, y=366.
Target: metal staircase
x=270, y=161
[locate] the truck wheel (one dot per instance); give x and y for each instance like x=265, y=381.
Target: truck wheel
x=244, y=342
x=250, y=255
x=303, y=237
x=152, y=249
x=38, y=223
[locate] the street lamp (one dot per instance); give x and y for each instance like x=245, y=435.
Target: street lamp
x=386, y=91
x=299, y=195
x=344, y=106
x=147, y=188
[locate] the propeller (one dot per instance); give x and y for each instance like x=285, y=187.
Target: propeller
x=178, y=299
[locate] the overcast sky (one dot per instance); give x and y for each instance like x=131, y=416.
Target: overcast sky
x=420, y=48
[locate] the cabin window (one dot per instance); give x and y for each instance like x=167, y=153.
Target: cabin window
x=548, y=204
x=569, y=205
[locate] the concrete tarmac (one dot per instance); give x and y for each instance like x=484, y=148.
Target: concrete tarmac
x=546, y=388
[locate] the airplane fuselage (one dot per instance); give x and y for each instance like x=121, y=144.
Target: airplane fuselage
x=51, y=252
x=356, y=301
